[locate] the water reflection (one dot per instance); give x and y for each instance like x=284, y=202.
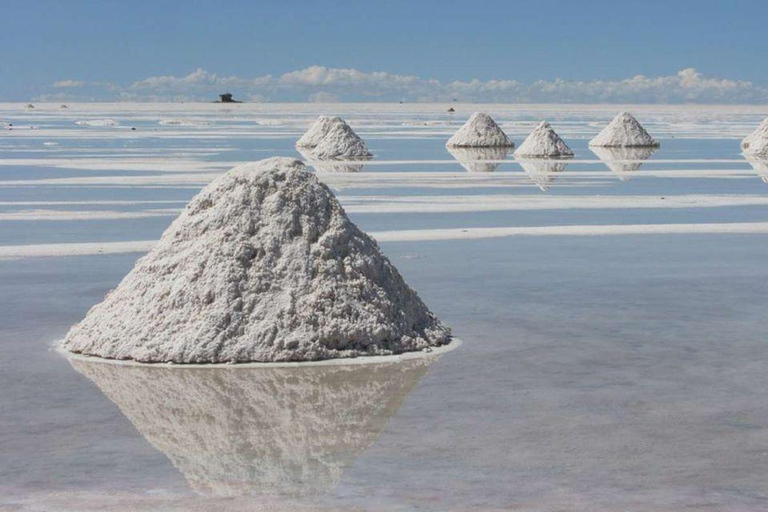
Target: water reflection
x=282, y=431
x=477, y=159
x=542, y=171
x=760, y=165
x=622, y=161
x=333, y=165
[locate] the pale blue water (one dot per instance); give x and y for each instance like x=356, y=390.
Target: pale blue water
x=597, y=372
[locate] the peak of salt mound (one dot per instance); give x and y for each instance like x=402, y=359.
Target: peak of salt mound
x=479, y=159
x=543, y=142
x=262, y=265
x=480, y=131
x=340, y=141
x=756, y=143
x=317, y=131
x=624, y=131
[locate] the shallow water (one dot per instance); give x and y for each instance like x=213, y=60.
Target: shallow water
x=611, y=372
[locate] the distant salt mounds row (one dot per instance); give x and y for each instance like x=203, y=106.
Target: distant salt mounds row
x=756, y=143
x=97, y=122
x=263, y=265
x=333, y=138
x=184, y=122
x=481, y=131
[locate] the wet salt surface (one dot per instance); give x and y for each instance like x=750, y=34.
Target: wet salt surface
x=598, y=372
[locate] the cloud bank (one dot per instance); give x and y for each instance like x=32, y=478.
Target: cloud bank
x=319, y=83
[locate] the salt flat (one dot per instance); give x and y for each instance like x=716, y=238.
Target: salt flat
x=614, y=323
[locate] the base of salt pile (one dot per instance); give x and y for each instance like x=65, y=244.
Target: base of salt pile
x=263, y=265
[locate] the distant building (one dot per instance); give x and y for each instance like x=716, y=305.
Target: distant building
x=227, y=98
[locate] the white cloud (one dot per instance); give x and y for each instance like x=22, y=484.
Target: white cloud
x=63, y=84
x=320, y=83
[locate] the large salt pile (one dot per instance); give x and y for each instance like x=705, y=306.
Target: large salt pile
x=317, y=131
x=756, y=143
x=624, y=131
x=479, y=159
x=262, y=265
x=283, y=431
x=623, y=161
x=481, y=131
x=543, y=142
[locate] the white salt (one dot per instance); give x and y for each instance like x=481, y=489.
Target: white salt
x=263, y=265
x=340, y=142
x=97, y=122
x=624, y=131
x=480, y=131
x=543, y=142
x=756, y=143
x=317, y=131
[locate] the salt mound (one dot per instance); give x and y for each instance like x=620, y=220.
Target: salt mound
x=756, y=143
x=622, y=161
x=259, y=431
x=479, y=159
x=479, y=131
x=544, y=142
x=262, y=265
x=340, y=141
x=317, y=131
x=760, y=165
x=542, y=171
x=97, y=122
x=624, y=131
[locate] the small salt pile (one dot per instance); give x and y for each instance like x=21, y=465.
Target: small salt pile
x=756, y=143
x=543, y=142
x=481, y=131
x=262, y=265
x=317, y=131
x=341, y=142
x=624, y=131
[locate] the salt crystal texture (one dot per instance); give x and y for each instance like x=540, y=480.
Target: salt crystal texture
x=624, y=131
x=340, y=141
x=543, y=142
x=317, y=131
x=262, y=265
x=288, y=431
x=479, y=132
x=756, y=143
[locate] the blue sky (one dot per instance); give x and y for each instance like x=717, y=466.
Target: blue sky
x=102, y=49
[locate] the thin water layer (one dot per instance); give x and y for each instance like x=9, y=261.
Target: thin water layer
x=599, y=371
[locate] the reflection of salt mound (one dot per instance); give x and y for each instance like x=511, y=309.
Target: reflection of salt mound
x=262, y=265
x=480, y=131
x=760, y=165
x=331, y=165
x=317, y=131
x=624, y=131
x=543, y=142
x=479, y=159
x=263, y=431
x=542, y=171
x=97, y=122
x=183, y=122
x=623, y=160
x=756, y=143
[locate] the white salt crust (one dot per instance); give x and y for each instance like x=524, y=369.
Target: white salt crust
x=624, y=131
x=756, y=143
x=332, y=138
x=317, y=131
x=480, y=131
x=543, y=142
x=263, y=265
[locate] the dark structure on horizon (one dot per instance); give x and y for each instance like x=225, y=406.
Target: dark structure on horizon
x=227, y=98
